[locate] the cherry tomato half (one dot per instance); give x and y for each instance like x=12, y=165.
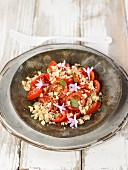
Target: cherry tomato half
x=52, y=63
x=97, y=86
x=44, y=77
x=61, y=117
x=57, y=87
x=95, y=106
x=92, y=75
x=34, y=93
x=77, y=96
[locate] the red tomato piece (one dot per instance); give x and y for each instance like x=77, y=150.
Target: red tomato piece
x=85, y=86
x=57, y=87
x=89, y=92
x=45, y=99
x=95, y=106
x=34, y=93
x=75, y=95
x=52, y=63
x=96, y=75
x=97, y=86
x=69, y=81
x=61, y=117
x=92, y=75
x=44, y=77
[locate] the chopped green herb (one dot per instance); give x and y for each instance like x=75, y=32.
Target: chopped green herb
x=63, y=83
x=74, y=78
x=77, y=72
x=48, y=70
x=74, y=103
x=56, y=115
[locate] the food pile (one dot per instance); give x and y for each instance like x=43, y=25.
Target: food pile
x=66, y=94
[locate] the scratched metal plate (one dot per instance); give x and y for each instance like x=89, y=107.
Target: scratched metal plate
x=15, y=114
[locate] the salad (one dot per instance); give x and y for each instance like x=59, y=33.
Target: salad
x=66, y=94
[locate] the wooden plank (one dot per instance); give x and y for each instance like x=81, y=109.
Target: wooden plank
x=126, y=11
x=37, y=158
x=101, y=17
x=111, y=155
x=53, y=18
x=93, y=22
x=16, y=15
x=9, y=150
x=57, y=18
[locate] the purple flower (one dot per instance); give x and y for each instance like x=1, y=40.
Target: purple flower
x=73, y=121
x=62, y=108
x=40, y=84
x=88, y=71
x=74, y=87
x=62, y=65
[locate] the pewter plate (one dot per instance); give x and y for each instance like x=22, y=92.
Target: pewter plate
x=15, y=115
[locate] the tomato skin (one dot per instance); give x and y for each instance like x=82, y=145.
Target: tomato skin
x=85, y=86
x=61, y=117
x=96, y=75
x=69, y=81
x=97, y=86
x=44, y=77
x=95, y=106
x=52, y=63
x=70, y=97
x=78, y=115
x=34, y=93
x=92, y=75
x=56, y=86
x=44, y=99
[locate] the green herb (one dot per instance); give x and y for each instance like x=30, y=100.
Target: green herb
x=63, y=83
x=56, y=115
x=36, y=103
x=48, y=70
x=74, y=78
x=83, y=65
x=77, y=72
x=74, y=103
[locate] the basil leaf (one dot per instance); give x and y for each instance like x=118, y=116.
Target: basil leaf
x=63, y=83
x=74, y=103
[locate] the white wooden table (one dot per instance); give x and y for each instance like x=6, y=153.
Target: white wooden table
x=66, y=18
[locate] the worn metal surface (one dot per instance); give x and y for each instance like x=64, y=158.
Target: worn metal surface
x=102, y=124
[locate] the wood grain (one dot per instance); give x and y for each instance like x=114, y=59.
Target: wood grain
x=33, y=157
x=111, y=155
x=16, y=15
x=9, y=150
x=101, y=17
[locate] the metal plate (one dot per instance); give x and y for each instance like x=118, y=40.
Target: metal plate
x=15, y=114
